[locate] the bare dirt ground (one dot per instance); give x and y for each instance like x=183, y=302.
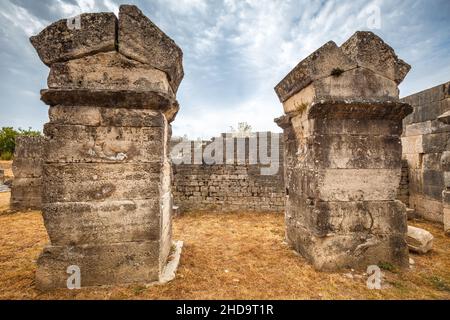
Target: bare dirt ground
x=226, y=256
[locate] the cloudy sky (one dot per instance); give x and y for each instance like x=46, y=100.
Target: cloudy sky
x=235, y=51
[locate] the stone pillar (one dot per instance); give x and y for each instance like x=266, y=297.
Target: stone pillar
x=27, y=168
x=107, y=202
x=342, y=127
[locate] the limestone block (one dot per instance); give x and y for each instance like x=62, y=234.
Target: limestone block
x=78, y=143
x=426, y=208
x=26, y=193
x=432, y=161
x=58, y=42
x=131, y=99
x=353, y=152
x=358, y=184
x=371, y=52
x=419, y=240
x=349, y=251
x=427, y=127
x=438, y=142
x=29, y=147
x=430, y=111
x=359, y=108
x=412, y=145
x=361, y=127
x=101, y=222
x=143, y=41
x=27, y=167
x=108, y=71
x=326, y=219
x=318, y=65
x=356, y=82
x=89, y=182
x=121, y=263
x=105, y=117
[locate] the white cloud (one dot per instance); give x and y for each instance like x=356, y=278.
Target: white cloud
x=21, y=19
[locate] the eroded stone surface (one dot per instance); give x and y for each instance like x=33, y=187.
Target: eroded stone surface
x=371, y=52
x=58, y=42
x=108, y=71
x=319, y=64
x=141, y=40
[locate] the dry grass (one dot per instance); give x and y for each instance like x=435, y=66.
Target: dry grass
x=226, y=256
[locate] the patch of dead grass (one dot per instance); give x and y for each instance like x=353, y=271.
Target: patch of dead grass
x=226, y=256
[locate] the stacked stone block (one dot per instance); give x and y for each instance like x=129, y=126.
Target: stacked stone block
x=107, y=174
x=27, y=170
x=230, y=186
x=426, y=140
x=343, y=155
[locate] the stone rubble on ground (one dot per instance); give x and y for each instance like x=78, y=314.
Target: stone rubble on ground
x=419, y=240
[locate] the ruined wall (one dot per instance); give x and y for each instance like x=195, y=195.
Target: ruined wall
x=229, y=186
x=27, y=169
x=425, y=141
x=107, y=203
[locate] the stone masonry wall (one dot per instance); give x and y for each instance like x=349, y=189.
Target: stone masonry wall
x=425, y=141
x=229, y=187
x=27, y=169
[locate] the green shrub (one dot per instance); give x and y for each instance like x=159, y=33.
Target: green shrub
x=6, y=156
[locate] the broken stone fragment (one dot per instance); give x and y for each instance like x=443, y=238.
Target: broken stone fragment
x=419, y=240
x=141, y=40
x=319, y=64
x=445, y=117
x=62, y=41
x=371, y=52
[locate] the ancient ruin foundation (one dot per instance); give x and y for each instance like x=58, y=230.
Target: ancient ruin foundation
x=343, y=154
x=106, y=175
x=234, y=184
x=27, y=169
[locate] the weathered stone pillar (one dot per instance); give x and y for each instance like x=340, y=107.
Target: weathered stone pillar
x=343, y=154
x=107, y=176
x=27, y=168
